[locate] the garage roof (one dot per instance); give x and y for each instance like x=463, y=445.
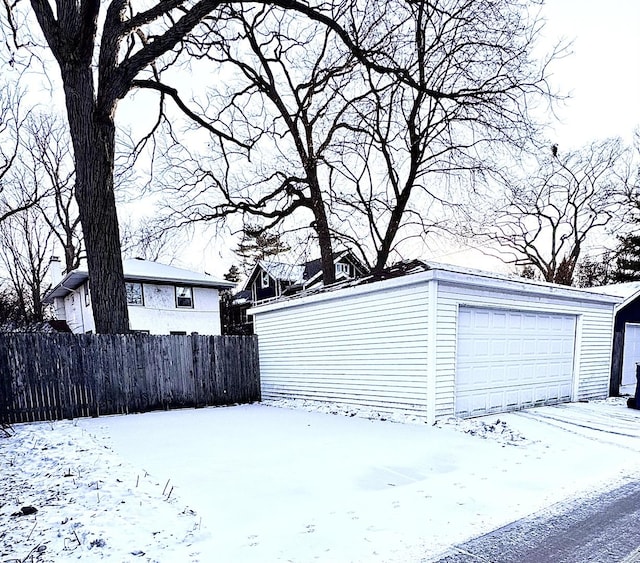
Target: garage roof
x=417, y=271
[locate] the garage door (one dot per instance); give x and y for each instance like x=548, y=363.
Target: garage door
x=631, y=355
x=508, y=360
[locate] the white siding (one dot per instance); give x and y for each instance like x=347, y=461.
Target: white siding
x=593, y=356
x=370, y=345
x=631, y=355
x=159, y=314
x=77, y=311
x=368, y=349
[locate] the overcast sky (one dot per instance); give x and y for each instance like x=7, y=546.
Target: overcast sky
x=603, y=73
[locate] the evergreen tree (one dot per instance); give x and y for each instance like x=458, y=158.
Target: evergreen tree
x=528, y=272
x=592, y=272
x=233, y=316
x=258, y=244
x=628, y=259
x=233, y=275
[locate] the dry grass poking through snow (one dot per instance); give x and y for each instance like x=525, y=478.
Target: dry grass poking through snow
x=64, y=495
x=485, y=427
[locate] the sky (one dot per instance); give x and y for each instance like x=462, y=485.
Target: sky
x=601, y=76
x=602, y=73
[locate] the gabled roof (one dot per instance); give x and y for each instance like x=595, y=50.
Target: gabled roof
x=137, y=270
x=281, y=271
x=145, y=270
x=296, y=274
x=313, y=269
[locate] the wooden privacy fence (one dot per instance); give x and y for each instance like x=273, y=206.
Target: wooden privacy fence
x=55, y=376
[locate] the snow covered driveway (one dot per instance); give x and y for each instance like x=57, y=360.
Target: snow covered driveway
x=260, y=483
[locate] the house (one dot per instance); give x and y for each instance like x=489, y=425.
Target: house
x=270, y=280
x=436, y=341
x=626, y=336
x=161, y=299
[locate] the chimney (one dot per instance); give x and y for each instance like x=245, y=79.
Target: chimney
x=55, y=268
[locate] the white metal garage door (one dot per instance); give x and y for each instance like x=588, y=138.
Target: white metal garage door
x=507, y=360
x=630, y=356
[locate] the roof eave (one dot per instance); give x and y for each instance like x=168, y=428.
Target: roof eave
x=215, y=284
x=72, y=281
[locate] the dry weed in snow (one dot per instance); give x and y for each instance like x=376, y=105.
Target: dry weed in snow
x=497, y=430
x=487, y=428
x=65, y=496
x=342, y=409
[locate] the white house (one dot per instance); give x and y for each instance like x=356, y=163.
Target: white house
x=161, y=299
x=437, y=341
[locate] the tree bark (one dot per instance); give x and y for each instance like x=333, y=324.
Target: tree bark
x=93, y=136
x=71, y=34
x=321, y=226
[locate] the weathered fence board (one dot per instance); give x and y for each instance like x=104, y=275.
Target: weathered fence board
x=55, y=376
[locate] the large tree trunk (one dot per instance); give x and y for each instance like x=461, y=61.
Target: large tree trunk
x=326, y=249
x=93, y=136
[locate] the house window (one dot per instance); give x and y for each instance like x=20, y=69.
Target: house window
x=184, y=297
x=264, y=279
x=178, y=333
x=342, y=269
x=86, y=294
x=134, y=293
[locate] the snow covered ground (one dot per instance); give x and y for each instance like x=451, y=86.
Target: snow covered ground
x=263, y=483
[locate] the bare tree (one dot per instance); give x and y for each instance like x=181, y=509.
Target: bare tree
x=422, y=142
x=291, y=86
x=48, y=156
x=369, y=149
x=25, y=251
x=545, y=218
x=41, y=173
x=143, y=240
x=594, y=270
x=106, y=49
x=15, y=195
x=102, y=50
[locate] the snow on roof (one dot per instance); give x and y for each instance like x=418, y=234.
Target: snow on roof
x=284, y=272
x=628, y=291
x=136, y=269
x=416, y=267
x=625, y=290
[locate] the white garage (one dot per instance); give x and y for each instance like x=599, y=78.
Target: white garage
x=508, y=360
x=437, y=341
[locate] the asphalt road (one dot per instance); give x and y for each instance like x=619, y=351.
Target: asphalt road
x=602, y=529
